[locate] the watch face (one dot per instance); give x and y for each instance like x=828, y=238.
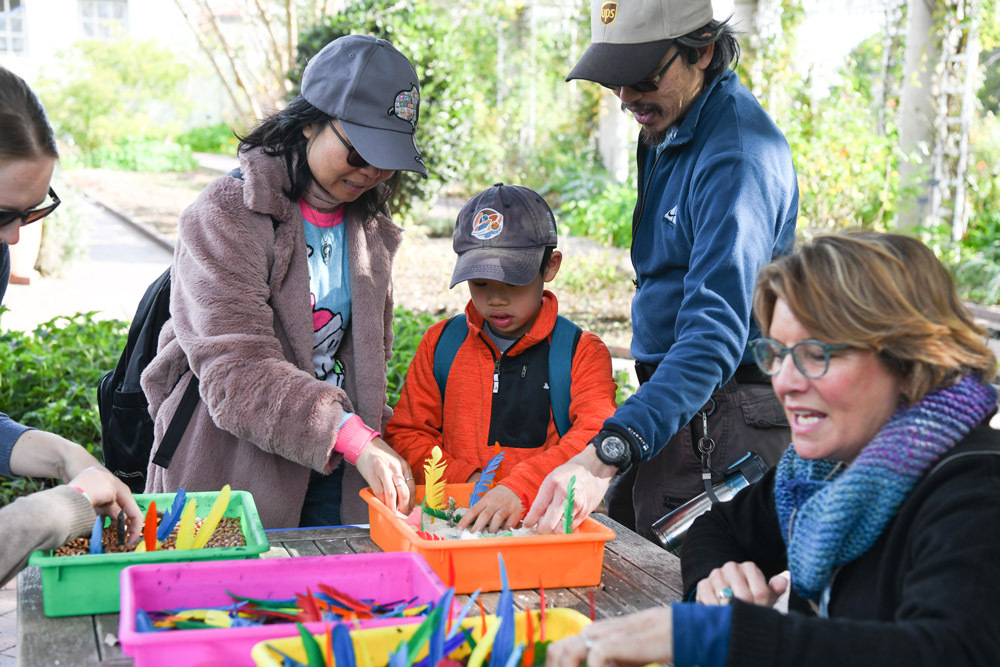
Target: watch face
x=613, y=447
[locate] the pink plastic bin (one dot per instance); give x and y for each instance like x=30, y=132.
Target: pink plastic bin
x=384, y=577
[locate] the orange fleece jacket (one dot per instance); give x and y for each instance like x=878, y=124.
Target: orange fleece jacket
x=461, y=426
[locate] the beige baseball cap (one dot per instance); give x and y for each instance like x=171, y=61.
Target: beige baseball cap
x=629, y=37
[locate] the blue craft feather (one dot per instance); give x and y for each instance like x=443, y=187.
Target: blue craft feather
x=436, y=650
x=343, y=647
x=457, y=623
x=515, y=656
x=142, y=622
x=96, y=535
x=485, y=479
x=401, y=657
x=449, y=646
x=503, y=644
x=172, y=517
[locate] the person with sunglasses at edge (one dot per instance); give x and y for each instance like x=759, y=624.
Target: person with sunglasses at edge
x=717, y=200
x=879, y=523
x=281, y=301
x=45, y=519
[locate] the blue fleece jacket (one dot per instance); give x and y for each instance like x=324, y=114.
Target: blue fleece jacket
x=717, y=203
x=10, y=430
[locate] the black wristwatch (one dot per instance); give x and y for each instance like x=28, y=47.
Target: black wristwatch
x=613, y=450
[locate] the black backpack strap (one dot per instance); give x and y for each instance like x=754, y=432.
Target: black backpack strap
x=175, y=431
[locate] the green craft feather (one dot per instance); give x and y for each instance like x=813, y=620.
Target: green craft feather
x=314, y=654
x=568, y=506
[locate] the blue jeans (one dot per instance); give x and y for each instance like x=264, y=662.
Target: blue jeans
x=322, y=505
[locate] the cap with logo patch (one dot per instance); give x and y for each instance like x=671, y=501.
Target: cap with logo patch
x=630, y=37
x=501, y=234
x=373, y=90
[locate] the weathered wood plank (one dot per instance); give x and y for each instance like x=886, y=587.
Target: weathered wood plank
x=105, y=627
x=643, y=555
x=50, y=641
x=300, y=548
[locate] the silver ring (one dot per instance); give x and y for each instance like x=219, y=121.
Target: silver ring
x=725, y=594
x=407, y=479
x=588, y=643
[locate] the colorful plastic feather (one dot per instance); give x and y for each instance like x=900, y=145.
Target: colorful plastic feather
x=211, y=521
x=515, y=656
x=185, y=533
x=482, y=648
x=496, y=453
x=149, y=528
x=434, y=480
x=568, y=505
x=503, y=644
x=314, y=654
x=485, y=479
x=96, y=535
x=343, y=647
x=466, y=608
x=400, y=657
x=172, y=516
x=423, y=633
x=529, y=636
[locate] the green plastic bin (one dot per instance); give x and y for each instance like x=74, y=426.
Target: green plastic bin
x=89, y=584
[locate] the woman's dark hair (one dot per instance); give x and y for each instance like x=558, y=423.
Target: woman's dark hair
x=281, y=134
x=727, y=48
x=25, y=129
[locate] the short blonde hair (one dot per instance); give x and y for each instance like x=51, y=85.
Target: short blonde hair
x=882, y=292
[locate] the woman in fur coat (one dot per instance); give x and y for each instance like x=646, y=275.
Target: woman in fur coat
x=281, y=301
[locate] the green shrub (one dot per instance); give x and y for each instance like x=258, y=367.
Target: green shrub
x=112, y=100
x=408, y=328
x=138, y=154
x=49, y=380
x=210, y=139
x=594, y=205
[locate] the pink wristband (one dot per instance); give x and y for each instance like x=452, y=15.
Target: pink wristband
x=353, y=437
x=82, y=492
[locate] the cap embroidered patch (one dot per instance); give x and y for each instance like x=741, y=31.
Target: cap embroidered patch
x=406, y=105
x=608, y=12
x=488, y=224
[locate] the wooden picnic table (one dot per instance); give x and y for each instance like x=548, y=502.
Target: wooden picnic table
x=637, y=575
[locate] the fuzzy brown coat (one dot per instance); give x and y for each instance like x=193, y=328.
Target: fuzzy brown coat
x=242, y=322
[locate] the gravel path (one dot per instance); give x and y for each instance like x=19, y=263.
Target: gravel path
x=593, y=286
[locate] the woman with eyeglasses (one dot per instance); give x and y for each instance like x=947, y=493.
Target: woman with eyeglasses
x=883, y=516
x=49, y=518
x=281, y=301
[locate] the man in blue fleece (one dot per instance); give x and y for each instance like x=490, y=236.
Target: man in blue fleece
x=717, y=200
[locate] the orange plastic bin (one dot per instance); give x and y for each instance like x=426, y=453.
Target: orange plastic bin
x=553, y=561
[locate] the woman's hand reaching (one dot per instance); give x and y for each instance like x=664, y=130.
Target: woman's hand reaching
x=388, y=474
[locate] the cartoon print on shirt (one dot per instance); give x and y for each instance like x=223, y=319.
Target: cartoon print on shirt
x=328, y=331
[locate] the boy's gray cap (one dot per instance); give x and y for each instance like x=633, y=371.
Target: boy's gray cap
x=630, y=37
x=373, y=90
x=501, y=234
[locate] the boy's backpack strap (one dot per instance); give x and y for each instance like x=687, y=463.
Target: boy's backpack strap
x=565, y=336
x=452, y=337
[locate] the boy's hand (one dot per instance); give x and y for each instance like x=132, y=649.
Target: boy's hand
x=498, y=509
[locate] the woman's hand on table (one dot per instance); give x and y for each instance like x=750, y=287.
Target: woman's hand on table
x=636, y=639
x=388, y=474
x=742, y=581
x=498, y=509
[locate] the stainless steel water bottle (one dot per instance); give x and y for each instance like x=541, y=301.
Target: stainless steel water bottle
x=672, y=528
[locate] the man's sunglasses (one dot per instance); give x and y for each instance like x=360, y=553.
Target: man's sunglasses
x=652, y=84
x=353, y=156
x=32, y=214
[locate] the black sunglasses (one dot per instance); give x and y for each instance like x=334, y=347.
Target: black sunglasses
x=651, y=84
x=32, y=214
x=353, y=156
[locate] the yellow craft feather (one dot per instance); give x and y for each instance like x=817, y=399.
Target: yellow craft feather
x=434, y=482
x=211, y=521
x=185, y=530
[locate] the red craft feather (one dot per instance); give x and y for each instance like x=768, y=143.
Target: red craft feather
x=529, y=636
x=307, y=603
x=482, y=614
x=149, y=527
x=363, y=609
x=541, y=616
x=590, y=594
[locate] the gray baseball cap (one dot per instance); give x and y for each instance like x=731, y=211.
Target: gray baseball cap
x=501, y=234
x=630, y=37
x=373, y=90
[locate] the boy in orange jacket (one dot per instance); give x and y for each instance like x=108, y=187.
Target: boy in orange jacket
x=497, y=388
